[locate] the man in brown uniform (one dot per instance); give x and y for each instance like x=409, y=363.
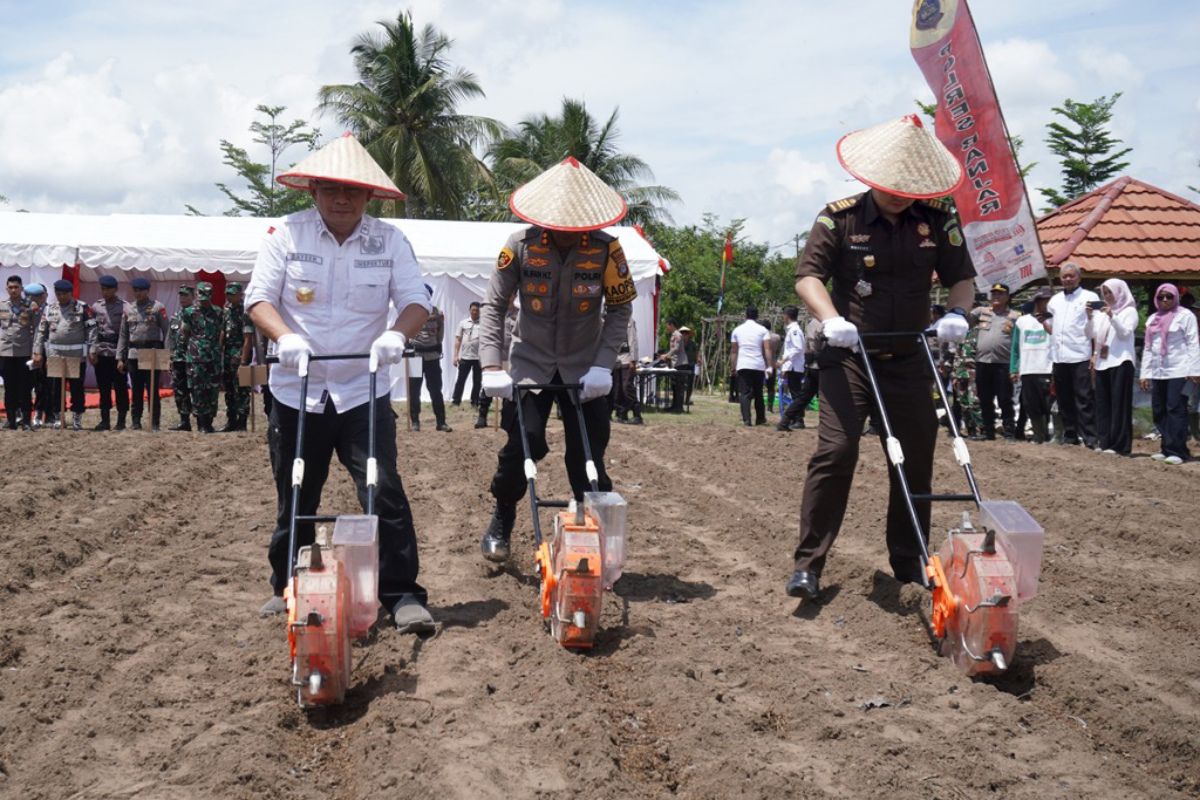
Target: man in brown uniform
x=576, y=299
x=881, y=250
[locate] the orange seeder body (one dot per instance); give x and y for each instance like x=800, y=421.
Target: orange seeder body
x=318, y=629
x=977, y=610
x=571, y=566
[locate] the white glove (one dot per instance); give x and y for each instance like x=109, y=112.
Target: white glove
x=387, y=349
x=291, y=349
x=596, y=383
x=497, y=383
x=951, y=328
x=840, y=333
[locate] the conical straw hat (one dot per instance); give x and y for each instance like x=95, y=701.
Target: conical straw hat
x=568, y=197
x=902, y=158
x=343, y=160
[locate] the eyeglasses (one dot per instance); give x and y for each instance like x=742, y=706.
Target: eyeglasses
x=1165, y=296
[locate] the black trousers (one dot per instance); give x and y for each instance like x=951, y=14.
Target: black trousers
x=681, y=387
x=803, y=387
x=431, y=369
x=1073, y=385
x=1035, y=403
x=1169, y=405
x=18, y=389
x=142, y=389
x=993, y=383
x=509, y=485
x=467, y=366
x=769, y=390
x=1114, y=408
x=750, y=388
x=846, y=402
x=52, y=388
x=346, y=435
x=111, y=382
x=624, y=393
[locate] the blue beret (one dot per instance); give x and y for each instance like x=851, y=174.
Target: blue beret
x=108, y=281
x=141, y=284
x=35, y=288
x=64, y=286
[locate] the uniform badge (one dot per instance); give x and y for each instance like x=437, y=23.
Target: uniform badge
x=543, y=288
x=305, y=294
x=860, y=238
x=536, y=304
x=371, y=245
x=863, y=288
x=538, y=262
x=584, y=305
x=530, y=288
x=504, y=259
x=826, y=221
x=955, y=237
x=923, y=229
x=927, y=243
x=868, y=261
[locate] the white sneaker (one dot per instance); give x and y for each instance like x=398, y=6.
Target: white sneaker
x=1173, y=460
x=1158, y=457
x=1109, y=452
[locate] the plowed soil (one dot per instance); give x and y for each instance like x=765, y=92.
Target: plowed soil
x=133, y=665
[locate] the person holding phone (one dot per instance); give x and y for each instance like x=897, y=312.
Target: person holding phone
x=1072, y=349
x=1111, y=325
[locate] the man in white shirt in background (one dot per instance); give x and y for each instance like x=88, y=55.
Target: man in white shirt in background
x=322, y=284
x=750, y=360
x=792, y=367
x=1030, y=365
x=1072, y=352
x=466, y=357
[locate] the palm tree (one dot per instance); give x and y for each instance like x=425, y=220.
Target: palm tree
x=404, y=109
x=541, y=141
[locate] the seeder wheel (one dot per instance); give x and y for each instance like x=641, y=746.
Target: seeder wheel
x=974, y=603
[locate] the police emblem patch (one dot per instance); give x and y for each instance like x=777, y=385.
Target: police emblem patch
x=371, y=245
x=826, y=221
x=923, y=229
x=955, y=237
x=584, y=305
x=536, y=304
x=504, y=259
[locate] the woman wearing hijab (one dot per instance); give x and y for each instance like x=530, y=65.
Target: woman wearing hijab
x=1170, y=357
x=1111, y=329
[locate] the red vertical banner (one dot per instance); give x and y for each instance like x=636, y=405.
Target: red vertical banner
x=71, y=273
x=217, y=279
x=997, y=221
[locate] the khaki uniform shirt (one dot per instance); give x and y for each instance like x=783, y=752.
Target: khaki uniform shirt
x=109, y=314
x=18, y=321
x=560, y=327
x=69, y=331
x=994, y=342
x=468, y=340
x=143, y=325
x=852, y=242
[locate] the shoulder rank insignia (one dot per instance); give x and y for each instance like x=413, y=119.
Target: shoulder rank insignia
x=943, y=204
x=505, y=258
x=844, y=203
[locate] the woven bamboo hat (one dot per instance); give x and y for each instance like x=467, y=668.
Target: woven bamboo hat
x=343, y=160
x=568, y=197
x=902, y=158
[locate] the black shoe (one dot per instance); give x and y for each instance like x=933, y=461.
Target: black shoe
x=456, y=403
x=204, y=425
x=494, y=544
x=798, y=425
x=746, y=423
x=783, y=426
x=481, y=422
x=120, y=422
x=154, y=427
x=137, y=425
x=184, y=425
x=102, y=425
x=416, y=426
x=636, y=421
x=444, y=428
x=804, y=584
x=977, y=437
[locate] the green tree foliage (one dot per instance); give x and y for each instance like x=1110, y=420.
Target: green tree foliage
x=404, y=109
x=265, y=198
x=541, y=141
x=1087, y=150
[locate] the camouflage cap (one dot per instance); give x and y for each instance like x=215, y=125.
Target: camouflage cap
x=185, y=290
x=204, y=289
x=233, y=287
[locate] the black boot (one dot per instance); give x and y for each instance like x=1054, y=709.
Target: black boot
x=204, y=424
x=494, y=544
x=185, y=424
x=121, y=421
x=481, y=422
x=105, y=423
x=137, y=424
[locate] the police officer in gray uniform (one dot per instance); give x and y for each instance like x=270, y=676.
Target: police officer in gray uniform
x=109, y=310
x=576, y=299
x=143, y=327
x=67, y=330
x=18, y=319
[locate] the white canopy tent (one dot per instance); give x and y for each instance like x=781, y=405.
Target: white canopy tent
x=457, y=258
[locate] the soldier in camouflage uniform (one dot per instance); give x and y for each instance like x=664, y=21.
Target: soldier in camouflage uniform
x=143, y=327
x=966, y=403
x=200, y=333
x=238, y=334
x=179, y=376
x=67, y=330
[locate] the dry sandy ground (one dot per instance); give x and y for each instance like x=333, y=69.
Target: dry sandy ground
x=132, y=663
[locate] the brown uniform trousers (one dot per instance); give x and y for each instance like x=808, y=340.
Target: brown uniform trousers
x=846, y=402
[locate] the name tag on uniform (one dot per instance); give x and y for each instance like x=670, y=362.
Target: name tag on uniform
x=373, y=263
x=310, y=258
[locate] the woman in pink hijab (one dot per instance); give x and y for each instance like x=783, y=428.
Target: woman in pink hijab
x=1170, y=357
x=1112, y=329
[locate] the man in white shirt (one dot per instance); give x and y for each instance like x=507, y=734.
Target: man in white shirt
x=1029, y=364
x=322, y=284
x=749, y=358
x=792, y=366
x=1072, y=353
x=466, y=357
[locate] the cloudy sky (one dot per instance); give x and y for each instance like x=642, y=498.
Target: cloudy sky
x=119, y=106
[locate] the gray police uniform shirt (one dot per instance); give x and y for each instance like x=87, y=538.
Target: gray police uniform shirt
x=144, y=325
x=994, y=343
x=575, y=307
x=427, y=343
x=468, y=338
x=69, y=332
x=109, y=314
x=18, y=321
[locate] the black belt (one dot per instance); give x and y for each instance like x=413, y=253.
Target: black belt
x=147, y=345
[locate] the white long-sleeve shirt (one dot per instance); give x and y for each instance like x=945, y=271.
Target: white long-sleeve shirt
x=336, y=297
x=1115, y=333
x=1069, y=341
x=793, y=348
x=1182, y=359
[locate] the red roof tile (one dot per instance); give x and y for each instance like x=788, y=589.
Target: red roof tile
x=1126, y=228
